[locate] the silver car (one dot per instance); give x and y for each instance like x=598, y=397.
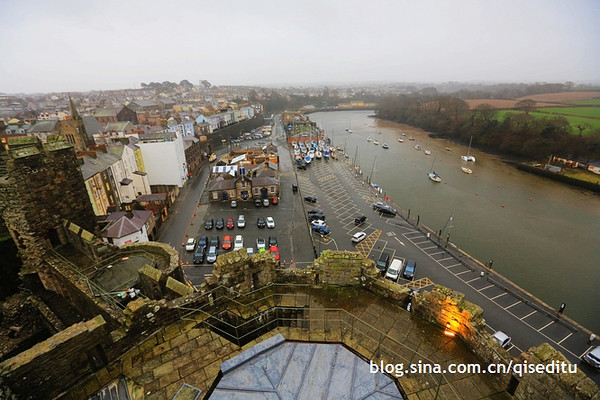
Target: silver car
x=211, y=256
x=592, y=357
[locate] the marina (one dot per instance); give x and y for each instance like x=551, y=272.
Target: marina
x=497, y=207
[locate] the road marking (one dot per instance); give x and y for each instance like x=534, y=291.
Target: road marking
x=512, y=305
x=501, y=294
x=530, y=314
x=588, y=349
x=474, y=279
x=399, y=241
x=453, y=265
x=464, y=272
x=444, y=259
x=545, y=326
x=391, y=233
x=418, y=243
x=487, y=287
x=427, y=248
x=565, y=338
x=436, y=253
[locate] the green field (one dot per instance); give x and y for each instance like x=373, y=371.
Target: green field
x=579, y=111
x=573, y=121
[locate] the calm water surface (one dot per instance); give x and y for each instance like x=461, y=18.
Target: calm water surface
x=541, y=234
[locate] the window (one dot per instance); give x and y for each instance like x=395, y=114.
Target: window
x=256, y=191
x=272, y=189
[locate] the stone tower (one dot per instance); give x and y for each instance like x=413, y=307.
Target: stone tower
x=42, y=187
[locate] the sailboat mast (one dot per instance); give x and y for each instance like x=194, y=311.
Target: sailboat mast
x=373, y=170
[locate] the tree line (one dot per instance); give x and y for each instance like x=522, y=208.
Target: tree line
x=517, y=134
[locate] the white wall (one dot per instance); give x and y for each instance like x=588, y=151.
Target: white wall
x=165, y=162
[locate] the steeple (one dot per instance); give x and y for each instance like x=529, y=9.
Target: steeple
x=79, y=121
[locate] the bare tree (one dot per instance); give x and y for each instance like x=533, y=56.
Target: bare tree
x=526, y=105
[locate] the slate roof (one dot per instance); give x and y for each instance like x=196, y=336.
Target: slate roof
x=118, y=126
x=91, y=125
x=265, y=181
x=92, y=166
x=43, y=126
x=106, y=112
x=222, y=184
x=152, y=197
x=122, y=225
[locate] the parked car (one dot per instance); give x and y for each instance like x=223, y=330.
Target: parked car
x=258, y=202
x=190, y=244
x=260, y=222
x=260, y=243
x=502, y=338
x=314, y=211
x=241, y=221
x=275, y=201
x=409, y=270
x=310, y=199
x=274, y=252
x=358, y=237
x=209, y=223
x=592, y=357
x=316, y=217
x=321, y=229
x=233, y=203
x=270, y=222
x=388, y=210
x=200, y=250
x=211, y=256
x=238, y=243
x=266, y=203
x=220, y=223
x=382, y=262
x=230, y=223
x=393, y=271
x=215, y=241
x=272, y=241
x=227, y=242
x=250, y=251
x=294, y=187
x=359, y=219
x=377, y=205
x=317, y=222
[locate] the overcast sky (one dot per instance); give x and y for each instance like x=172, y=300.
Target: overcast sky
x=79, y=45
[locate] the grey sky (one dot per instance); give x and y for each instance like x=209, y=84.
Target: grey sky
x=79, y=45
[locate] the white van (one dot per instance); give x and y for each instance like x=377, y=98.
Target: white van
x=393, y=271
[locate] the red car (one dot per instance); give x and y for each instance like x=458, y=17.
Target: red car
x=230, y=223
x=275, y=201
x=227, y=243
x=274, y=252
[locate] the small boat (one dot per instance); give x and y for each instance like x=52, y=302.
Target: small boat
x=411, y=138
x=326, y=154
x=379, y=132
x=417, y=147
x=376, y=143
x=307, y=159
x=427, y=152
x=212, y=157
x=403, y=134
x=448, y=149
x=434, y=177
x=468, y=157
x=318, y=154
x=401, y=140
x=368, y=139
x=466, y=170
x=385, y=146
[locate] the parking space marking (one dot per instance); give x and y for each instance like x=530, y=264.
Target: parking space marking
x=512, y=305
x=427, y=248
x=545, y=326
x=436, y=253
x=500, y=295
x=418, y=243
x=528, y=315
x=453, y=265
x=444, y=259
x=464, y=272
x=565, y=338
x=483, y=288
x=474, y=279
x=399, y=241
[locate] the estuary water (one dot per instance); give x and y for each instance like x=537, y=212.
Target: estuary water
x=541, y=234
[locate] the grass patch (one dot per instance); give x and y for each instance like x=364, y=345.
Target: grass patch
x=573, y=121
x=578, y=111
